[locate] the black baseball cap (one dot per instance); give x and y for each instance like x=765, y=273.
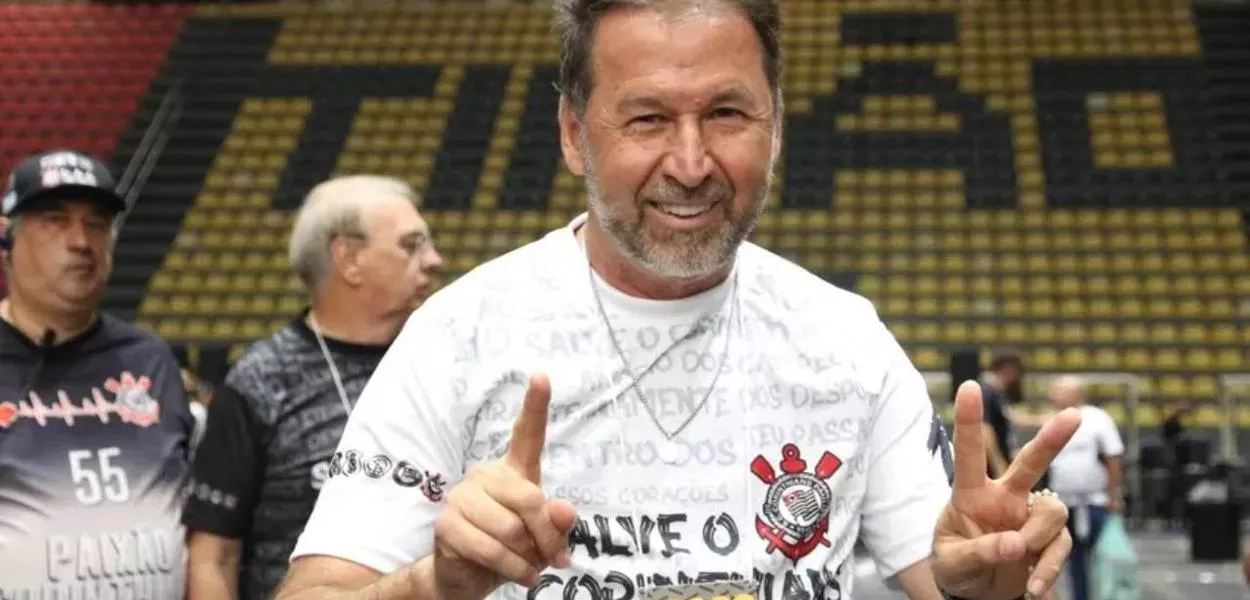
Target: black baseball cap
x=60, y=174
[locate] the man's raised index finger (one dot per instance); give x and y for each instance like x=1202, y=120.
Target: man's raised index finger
x=970, y=462
x=1034, y=459
x=529, y=432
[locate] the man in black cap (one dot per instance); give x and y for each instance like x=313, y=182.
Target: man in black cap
x=95, y=430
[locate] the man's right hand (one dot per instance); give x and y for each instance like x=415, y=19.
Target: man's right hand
x=497, y=525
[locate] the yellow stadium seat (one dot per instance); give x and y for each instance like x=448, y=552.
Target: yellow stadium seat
x=1168, y=359
x=1045, y=333
x=1208, y=416
x=925, y=307
x=223, y=329
x=235, y=305
x=1106, y=359
x=170, y=329
x=985, y=332
x=262, y=305
x=927, y=331
x=154, y=305
x=1224, y=333
x=252, y=329
x=1203, y=386
x=1073, y=332
x=927, y=359
x=1218, y=285
x=1199, y=359
x=1221, y=308
x=956, y=307
x=1042, y=308
x=1045, y=359
x=1230, y=359
x=1130, y=308
x=1076, y=358
x=1137, y=359
x=1073, y=308
x=902, y=331
x=1148, y=415
x=1160, y=308
x=1163, y=333
x=1133, y=333
x=1103, y=333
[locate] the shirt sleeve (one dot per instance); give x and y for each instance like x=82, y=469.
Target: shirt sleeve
x=228, y=464
x=175, y=405
x=909, y=470
x=400, y=451
x=1109, y=441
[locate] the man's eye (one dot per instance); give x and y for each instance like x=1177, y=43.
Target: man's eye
x=646, y=120
x=726, y=113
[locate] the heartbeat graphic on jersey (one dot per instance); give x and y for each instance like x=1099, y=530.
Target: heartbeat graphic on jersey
x=132, y=404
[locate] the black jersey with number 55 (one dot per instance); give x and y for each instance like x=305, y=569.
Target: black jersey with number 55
x=95, y=440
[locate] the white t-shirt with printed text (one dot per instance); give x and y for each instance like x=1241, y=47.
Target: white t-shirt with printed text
x=817, y=430
x=1077, y=473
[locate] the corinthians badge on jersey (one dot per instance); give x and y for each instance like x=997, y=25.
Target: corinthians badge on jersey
x=796, y=505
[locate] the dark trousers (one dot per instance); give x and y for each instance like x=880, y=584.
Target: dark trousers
x=1083, y=549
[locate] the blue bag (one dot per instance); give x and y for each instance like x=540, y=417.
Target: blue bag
x=1113, y=567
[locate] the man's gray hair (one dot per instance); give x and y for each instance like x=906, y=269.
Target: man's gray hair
x=333, y=209
x=576, y=21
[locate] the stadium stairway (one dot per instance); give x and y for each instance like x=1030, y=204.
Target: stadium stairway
x=1226, y=52
x=214, y=63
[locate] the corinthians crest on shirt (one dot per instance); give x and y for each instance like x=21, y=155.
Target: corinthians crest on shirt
x=796, y=506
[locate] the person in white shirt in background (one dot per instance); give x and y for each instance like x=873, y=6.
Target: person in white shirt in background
x=1088, y=476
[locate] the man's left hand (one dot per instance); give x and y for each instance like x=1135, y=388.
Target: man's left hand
x=990, y=544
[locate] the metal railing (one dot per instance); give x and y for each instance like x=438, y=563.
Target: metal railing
x=148, y=153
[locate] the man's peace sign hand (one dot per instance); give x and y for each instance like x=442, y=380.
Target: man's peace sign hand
x=498, y=526
x=989, y=543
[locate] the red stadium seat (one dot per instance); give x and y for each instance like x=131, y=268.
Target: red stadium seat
x=73, y=75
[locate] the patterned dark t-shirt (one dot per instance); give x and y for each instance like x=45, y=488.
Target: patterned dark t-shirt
x=272, y=429
x=95, y=436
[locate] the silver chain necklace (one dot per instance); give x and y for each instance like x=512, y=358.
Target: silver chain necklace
x=669, y=451
x=334, y=369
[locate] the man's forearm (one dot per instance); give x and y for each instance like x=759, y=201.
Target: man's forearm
x=918, y=582
x=212, y=582
x=415, y=582
x=1115, y=476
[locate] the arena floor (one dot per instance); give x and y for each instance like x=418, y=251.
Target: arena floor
x=1166, y=574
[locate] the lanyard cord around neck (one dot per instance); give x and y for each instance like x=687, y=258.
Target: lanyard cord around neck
x=334, y=370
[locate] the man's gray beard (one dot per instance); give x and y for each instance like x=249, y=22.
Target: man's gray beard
x=677, y=255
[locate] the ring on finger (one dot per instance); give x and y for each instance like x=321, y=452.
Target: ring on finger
x=1035, y=496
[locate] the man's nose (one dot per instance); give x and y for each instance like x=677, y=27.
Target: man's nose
x=687, y=160
x=433, y=261
x=78, y=235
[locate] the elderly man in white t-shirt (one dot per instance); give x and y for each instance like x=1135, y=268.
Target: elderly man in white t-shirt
x=643, y=405
x=1087, y=475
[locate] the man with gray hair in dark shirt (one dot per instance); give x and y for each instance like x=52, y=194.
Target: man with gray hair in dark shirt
x=366, y=259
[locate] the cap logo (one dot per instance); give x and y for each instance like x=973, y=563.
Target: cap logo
x=66, y=168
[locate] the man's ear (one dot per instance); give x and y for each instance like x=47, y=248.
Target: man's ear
x=6, y=243
x=345, y=259
x=570, y=136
